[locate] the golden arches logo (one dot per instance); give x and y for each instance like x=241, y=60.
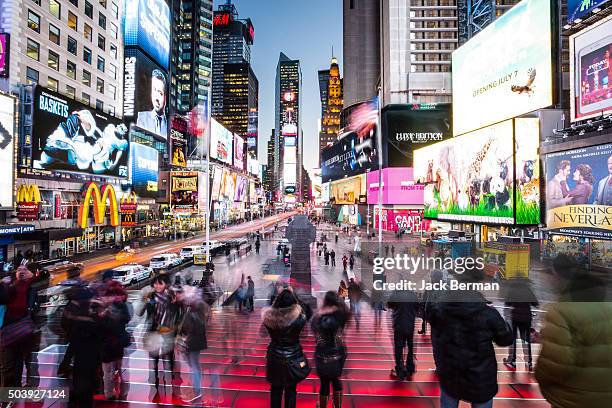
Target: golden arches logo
x=98, y=198
x=130, y=198
x=28, y=194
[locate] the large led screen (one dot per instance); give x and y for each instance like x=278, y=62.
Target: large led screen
x=230, y=185
x=5, y=49
x=579, y=192
x=144, y=170
x=147, y=25
x=69, y=136
x=591, y=67
x=239, y=152
x=242, y=185
x=398, y=187
x=577, y=9
x=7, y=150
x=216, y=182
x=349, y=156
x=469, y=178
x=184, y=192
x=527, y=143
x=505, y=70
x=348, y=191
x=220, y=143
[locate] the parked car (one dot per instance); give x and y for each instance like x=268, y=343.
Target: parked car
x=188, y=252
x=131, y=273
x=164, y=261
x=216, y=247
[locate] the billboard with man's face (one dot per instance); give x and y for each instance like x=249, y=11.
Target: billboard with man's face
x=69, y=136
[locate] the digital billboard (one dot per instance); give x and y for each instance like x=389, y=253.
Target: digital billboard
x=5, y=50
x=505, y=70
x=221, y=143
x=7, y=150
x=252, y=192
x=222, y=184
x=144, y=170
x=398, y=187
x=69, y=136
x=351, y=155
x=401, y=220
x=348, y=191
x=325, y=192
x=147, y=25
x=407, y=127
x=577, y=9
x=230, y=185
x=591, y=70
x=178, y=143
x=145, y=96
x=527, y=159
x=242, y=185
x=216, y=183
x=579, y=192
x=203, y=184
x=469, y=178
x=184, y=191
x=238, y=152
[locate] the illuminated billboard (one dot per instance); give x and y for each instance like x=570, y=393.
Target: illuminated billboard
x=7, y=150
x=577, y=9
x=579, y=192
x=591, y=71
x=230, y=185
x=69, y=136
x=178, y=142
x=242, y=184
x=398, y=187
x=144, y=170
x=216, y=183
x=238, y=152
x=221, y=143
x=469, y=178
x=5, y=49
x=505, y=70
x=348, y=191
x=147, y=25
x=527, y=143
x=351, y=155
x=184, y=191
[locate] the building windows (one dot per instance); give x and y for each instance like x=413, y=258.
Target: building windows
x=103, y=3
x=86, y=99
x=88, y=9
x=54, y=34
x=87, y=32
x=75, y=3
x=113, y=51
x=102, y=20
x=52, y=84
x=53, y=61
x=115, y=9
x=87, y=55
x=101, y=42
x=71, y=69
x=31, y=76
x=113, y=30
x=101, y=64
x=100, y=85
x=37, y=2
x=55, y=9
x=33, y=49
x=99, y=105
x=112, y=91
x=112, y=71
x=70, y=91
x=86, y=78
x=34, y=21
x=72, y=45
x=73, y=21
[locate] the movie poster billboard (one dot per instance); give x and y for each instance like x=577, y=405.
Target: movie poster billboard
x=238, y=152
x=222, y=184
x=527, y=144
x=408, y=127
x=145, y=93
x=221, y=143
x=147, y=25
x=178, y=142
x=5, y=50
x=469, y=178
x=202, y=186
x=348, y=191
x=579, y=192
x=325, y=192
x=242, y=185
x=216, y=183
x=408, y=220
x=252, y=192
x=184, y=191
x=69, y=136
x=398, y=187
x=144, y=170
x=505, y=70
x=230, y=185
x=351, y=155
x=7, y=151
x=591, y=70
x=577, y=9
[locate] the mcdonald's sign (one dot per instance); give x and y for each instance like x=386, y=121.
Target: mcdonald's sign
x=98, y=198
x=129, y=204
x=28, y=202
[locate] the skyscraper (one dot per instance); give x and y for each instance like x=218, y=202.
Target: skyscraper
x=330, y=124
x=474, y=15
x=288, y=126
x=323, y=85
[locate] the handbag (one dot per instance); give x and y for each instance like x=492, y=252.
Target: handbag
x=181, y=339
x=298, y=367
x=17, y=331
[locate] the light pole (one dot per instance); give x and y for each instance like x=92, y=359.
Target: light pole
x=380, y=169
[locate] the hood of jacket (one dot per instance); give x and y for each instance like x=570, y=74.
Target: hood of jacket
x=280, y=318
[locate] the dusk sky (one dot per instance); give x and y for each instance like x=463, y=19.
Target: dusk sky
x=304, y=30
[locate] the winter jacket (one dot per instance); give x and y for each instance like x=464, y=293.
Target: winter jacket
x=328, y=324
x=466, y=329
x=575, y=365
x=404, y=305
x=116, y=338
x=250, y=288
x=194, y=326
x=284, y=325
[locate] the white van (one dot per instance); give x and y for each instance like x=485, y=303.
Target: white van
x=163, y=261
x=131, y=273
x=189, y=251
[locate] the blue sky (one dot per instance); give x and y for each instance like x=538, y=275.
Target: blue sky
x=304, y=30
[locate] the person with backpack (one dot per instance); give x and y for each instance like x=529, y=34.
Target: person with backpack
x=330, y=351
x=404, y=307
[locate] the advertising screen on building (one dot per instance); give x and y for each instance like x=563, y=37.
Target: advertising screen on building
x=351, y=155
x=202, y=186
x=408, y=127
x=348, y=191
x=505, y=70
x=527, y=143
x=145, y=93
x=242, y=185
x=411, y=220
x=325, y=192
x=252, y=192
x=577, y=9
x=178, y=143
x=144, y=170
x=398, y=187
x=5, y=49
x=591, y=67
x=238, y=152
x=184, y=191
x=230, y=185
x=579, y=192
x=216, y=183
x=7, y=150
x=222, y=184
x=469, y=178
x=69, y=136
x=221, y=143
x=147, y=25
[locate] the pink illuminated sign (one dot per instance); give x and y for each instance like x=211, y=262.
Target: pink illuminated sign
x=398, y=187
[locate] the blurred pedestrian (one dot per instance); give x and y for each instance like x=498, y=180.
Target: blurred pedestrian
x=257, y=246
x=250, y=295
x=355, y=293
x=344, y=262
x=404, y=306
x=332, y=256
x=520, y=299
x=326, y=256
x=343, y=290
x=351, y=262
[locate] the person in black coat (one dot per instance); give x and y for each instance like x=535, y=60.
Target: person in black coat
x=404, y=305
x=520, y=298
x=286, y=364
x=330, y=352
x=467, y=328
